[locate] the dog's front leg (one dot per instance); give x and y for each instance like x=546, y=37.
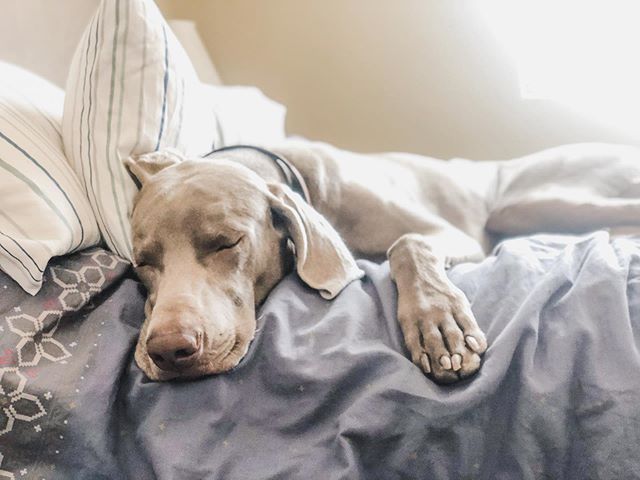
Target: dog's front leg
x=439, y=328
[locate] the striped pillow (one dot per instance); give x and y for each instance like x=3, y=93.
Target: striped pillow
x=43, y=209
x=131, y=90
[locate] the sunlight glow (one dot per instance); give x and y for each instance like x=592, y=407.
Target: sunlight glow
x=583, y=53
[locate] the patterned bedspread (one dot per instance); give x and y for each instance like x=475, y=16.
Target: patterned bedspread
x=327, y=391
x=48, y=347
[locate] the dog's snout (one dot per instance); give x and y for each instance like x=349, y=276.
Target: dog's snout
x=174, y=351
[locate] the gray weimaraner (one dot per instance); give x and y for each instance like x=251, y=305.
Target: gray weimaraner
x=213, y=236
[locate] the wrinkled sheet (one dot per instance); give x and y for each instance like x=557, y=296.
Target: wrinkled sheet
x=327, y=391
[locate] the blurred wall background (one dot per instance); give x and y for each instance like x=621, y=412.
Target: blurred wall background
x=425, y=76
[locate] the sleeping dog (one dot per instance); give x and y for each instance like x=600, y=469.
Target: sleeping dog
x=213, y=236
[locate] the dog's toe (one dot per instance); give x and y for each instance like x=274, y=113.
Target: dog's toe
x=474, y=339
x=444, y=375
x=470, y=364
x=462, y=366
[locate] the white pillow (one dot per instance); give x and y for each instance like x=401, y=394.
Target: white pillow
x=246, y=116
x=43, y=209
x=131, y=90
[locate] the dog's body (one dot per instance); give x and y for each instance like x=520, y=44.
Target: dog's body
x=424, y=214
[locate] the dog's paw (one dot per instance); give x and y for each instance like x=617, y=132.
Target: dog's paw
x=441, y=334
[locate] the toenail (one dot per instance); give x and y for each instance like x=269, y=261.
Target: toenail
x=445, y=362
x=424, y=360
x=473, y=343
x=456, y=361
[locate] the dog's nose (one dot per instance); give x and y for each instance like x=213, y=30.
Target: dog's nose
x=173, y=351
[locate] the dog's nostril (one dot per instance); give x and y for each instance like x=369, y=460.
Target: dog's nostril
x=183, y=353
x=156, y=358
x=173, y=351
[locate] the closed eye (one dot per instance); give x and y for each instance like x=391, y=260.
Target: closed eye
x=147, y=265
x=141, y=260
x=228, y=245
x=146, y=271
x=148, y=254
x=220, y=244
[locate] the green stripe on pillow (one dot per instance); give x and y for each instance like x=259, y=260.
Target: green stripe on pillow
x=139, y=93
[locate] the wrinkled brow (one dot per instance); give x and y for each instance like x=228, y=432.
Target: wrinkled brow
x=199, y=218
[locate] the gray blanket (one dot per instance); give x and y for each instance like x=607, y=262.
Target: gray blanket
x=327, y=391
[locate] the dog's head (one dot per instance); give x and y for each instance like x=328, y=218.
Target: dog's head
x=210, y=240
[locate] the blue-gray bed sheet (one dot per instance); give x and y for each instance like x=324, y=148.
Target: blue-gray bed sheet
x=326, y=390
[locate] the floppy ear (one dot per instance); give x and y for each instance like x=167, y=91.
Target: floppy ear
x=144, y=166
x=322, y=259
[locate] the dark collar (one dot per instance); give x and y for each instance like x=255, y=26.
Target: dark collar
x=291, y=174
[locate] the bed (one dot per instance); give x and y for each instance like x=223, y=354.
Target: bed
x=327, y=390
